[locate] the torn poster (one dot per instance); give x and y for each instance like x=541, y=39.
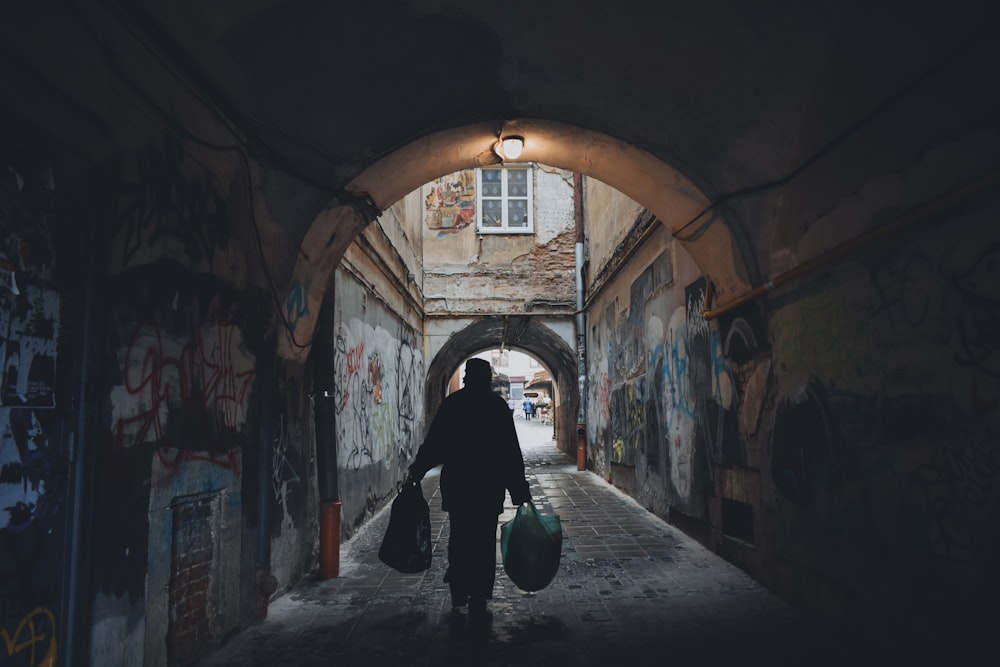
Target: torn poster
x=29, y=333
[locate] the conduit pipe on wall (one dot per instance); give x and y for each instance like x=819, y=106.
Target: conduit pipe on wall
x=840, y=252
x=581, y=323
x=326, y=440
x=627, y=248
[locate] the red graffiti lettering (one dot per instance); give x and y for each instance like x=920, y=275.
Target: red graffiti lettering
x=209, y=372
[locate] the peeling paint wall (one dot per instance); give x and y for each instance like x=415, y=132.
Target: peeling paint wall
x=468, y=272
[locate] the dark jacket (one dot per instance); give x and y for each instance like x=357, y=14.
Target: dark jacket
x=474, y=439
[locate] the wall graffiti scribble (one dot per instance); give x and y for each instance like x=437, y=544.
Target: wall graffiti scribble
x=33, y=638
x=374, y=397
x=284, y=478
x=210, y=372
x=169, y=210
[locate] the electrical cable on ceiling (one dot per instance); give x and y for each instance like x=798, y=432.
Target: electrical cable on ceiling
x=878, y=110
x=178, y=129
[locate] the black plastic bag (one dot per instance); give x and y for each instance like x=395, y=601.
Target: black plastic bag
x=531, y=546
x=406, y=545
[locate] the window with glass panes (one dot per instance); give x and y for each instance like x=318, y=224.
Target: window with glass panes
x=504, y=195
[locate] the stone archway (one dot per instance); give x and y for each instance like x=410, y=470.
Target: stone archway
x=663, y=190
x=534, y=338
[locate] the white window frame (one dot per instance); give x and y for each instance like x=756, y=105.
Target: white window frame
x=505, y=227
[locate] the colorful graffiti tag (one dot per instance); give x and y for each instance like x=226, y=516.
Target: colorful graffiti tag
x=374, y=379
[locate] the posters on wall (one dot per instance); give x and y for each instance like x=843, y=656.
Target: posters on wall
x=29, y=330
x=29, y=309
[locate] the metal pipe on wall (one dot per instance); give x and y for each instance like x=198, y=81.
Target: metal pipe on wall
x=581, y=320
x=325, y=418
x=80, y=458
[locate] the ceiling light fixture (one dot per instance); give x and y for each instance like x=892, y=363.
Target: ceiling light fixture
x=511, y=147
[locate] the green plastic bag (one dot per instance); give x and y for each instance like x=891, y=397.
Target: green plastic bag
x=531, y=546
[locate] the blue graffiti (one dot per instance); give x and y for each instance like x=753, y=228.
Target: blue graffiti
x=297, y=303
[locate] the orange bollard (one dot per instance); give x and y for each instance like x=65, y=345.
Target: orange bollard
x=329, y=539
x=581, y=447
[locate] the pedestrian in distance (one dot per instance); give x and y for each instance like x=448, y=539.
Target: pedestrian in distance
x=529, y=409
x=473, y=438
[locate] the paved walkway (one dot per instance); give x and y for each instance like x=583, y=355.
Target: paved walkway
x=631, y=590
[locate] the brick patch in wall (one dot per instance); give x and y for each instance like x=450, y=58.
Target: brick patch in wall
x=191, y=571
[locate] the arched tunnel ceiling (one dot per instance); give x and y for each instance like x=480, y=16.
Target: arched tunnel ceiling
x=731, y=93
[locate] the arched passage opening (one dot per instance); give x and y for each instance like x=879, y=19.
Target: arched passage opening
x=533, y=337
x=667, y=193
x=669, y=196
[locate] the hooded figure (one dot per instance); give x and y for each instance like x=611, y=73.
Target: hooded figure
x=473, y=438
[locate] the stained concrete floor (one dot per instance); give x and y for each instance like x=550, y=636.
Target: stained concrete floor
x=631, y=590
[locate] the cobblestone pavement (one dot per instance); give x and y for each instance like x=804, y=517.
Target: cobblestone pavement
x=631, y=590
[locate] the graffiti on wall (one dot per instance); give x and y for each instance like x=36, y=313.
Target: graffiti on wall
x=376, y=392
x=670, y=397
x=32, y=642
x=296, y=304
x=451, y=203
x=803, y=446
x=182, y=365
x=170, y=210
x=885, y=434
x=954, y=301
x=186, y=389
x=285, y=479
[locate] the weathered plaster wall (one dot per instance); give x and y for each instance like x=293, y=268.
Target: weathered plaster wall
x=187, y=325
x=466, y=272
x=610, y=215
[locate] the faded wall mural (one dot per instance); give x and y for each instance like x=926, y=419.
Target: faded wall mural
x=450, y=204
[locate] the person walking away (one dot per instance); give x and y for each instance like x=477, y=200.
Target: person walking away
x=473, y=438
x=529, y=409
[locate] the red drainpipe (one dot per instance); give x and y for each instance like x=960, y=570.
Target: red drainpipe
x=329, y=539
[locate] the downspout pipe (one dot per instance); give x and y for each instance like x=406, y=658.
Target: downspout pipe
x=266, y=582
x=581, y=324
x=325, y=416
x=81, y=457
